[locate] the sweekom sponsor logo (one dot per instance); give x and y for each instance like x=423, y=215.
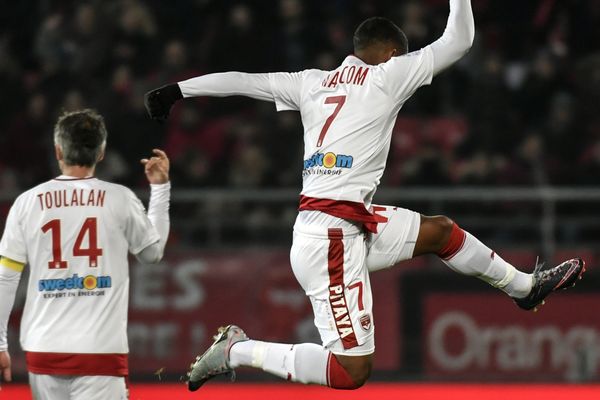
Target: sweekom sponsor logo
x=76, y=282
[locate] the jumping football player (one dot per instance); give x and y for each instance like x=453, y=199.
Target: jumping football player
x=75, y=232
x=339, y=236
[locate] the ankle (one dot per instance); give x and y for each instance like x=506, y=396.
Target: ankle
x=519, y=286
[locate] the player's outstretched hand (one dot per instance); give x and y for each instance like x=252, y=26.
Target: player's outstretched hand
x=5, y=373
x=159, y=101
x=157, y=167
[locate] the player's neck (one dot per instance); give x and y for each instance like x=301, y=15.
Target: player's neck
x=376, y=54
x=367, y=57
x=77, y=171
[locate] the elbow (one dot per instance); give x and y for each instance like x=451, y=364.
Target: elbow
x=156, y=258
x=471, y=33
x=150, y=255
x=467, y=43
x=153, y=261
x=467, y=48
x=465, y=38
x=461, y=50
x=468, y=38
x=471, y=37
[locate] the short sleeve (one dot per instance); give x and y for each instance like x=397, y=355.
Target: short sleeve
x=139, y=231
x=286, y=89
x=13, y=244
x=403, y=75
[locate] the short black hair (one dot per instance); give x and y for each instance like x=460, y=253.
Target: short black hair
x=81, y=135
x=379, y=30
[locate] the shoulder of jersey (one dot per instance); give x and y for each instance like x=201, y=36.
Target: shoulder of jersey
x=112, y=185
x=116, y=187
x=314, y=72
x=32, y=191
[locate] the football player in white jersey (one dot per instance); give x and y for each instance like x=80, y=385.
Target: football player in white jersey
x=348, y=115
x=75, y=232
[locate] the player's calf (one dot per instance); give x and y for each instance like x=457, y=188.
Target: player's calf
x=465, y=254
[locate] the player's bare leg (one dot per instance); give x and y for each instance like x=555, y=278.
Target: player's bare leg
x=463, y=253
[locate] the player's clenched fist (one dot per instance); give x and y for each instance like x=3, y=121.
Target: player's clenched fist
x=159, y=101
x=157, y=167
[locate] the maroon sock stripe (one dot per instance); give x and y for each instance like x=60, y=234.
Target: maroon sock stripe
x=455, y=243
x=337, y=297
x=339, y=378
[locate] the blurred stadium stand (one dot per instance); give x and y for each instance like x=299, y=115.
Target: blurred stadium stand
x=507, y=142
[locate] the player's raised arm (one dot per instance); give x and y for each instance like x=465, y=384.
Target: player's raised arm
x=156, y=169
x=457, y=38
x=282, y=88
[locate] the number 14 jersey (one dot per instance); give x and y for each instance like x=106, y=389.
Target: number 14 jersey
x=75, y=235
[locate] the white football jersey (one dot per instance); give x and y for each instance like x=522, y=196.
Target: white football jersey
x=75, y=235
x=348, y=116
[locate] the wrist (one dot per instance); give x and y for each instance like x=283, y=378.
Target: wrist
x=160, y=186
x=172, y=92
x=160, y=196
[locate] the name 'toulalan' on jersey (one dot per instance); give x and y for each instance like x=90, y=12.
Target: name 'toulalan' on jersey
x=75, y=235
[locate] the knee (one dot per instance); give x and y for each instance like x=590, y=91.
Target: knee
x=443, y=223
x=349, y=372
x=360, y=377
x=440, y=228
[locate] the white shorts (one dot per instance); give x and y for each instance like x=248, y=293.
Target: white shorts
x=70, y=387
x=395, y=239
x=331, y=259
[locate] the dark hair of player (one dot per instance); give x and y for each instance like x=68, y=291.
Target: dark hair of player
x=379, y=30
x=81, y=135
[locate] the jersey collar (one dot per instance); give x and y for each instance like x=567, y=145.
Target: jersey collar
x=72, y=178
x=352, y=59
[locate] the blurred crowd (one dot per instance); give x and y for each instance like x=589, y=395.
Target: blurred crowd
x=521, y=109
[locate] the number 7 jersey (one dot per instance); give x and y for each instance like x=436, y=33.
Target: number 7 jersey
x=348, y=116
x=75, y=235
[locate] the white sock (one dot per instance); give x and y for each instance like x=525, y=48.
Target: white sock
x=306, y=362
x=476, y=259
